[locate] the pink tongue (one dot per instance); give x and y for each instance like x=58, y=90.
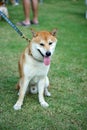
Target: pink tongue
x=46, y=60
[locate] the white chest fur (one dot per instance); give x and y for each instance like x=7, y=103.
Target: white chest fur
x=34, y=69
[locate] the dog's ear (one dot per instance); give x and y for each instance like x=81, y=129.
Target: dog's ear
x=34, y=32
x=54, y=31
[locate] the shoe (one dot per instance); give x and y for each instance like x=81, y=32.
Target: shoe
x=16, y=4
x=23, y=24
x=33, y=23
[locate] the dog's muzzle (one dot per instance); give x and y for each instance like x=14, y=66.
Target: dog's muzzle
x=40, y=52
x=46, y=57
x=48, y=53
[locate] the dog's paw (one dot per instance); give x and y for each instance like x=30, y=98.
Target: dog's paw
x=44, y=104
x=17, y=107
x=48, y=94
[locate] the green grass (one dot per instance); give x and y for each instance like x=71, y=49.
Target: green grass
x=68, y=72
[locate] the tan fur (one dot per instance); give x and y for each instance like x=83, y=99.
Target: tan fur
x=32, y=67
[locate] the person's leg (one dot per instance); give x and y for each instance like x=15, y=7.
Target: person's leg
x=35, y=10
x=26, y=7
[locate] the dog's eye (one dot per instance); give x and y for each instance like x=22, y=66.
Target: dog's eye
x=41, y=44
x=50, y=43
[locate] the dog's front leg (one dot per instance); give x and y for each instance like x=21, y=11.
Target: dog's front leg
x=41, y=86
x=23, y=87
x=46, y=92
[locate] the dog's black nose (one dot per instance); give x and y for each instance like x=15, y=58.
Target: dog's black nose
x=48, y=53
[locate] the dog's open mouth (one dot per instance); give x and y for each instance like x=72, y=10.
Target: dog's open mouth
x=46, y=58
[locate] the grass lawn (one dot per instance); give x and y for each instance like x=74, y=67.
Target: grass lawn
x=68, y=72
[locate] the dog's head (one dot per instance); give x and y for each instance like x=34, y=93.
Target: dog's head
x=43, y=45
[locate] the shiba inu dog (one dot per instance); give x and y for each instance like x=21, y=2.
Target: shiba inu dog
x=34, y=65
